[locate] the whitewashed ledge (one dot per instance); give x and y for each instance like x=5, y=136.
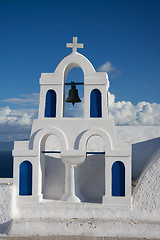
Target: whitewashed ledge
x=6, y=181
x=85, y=227
x=71, y=237
x=104, y=222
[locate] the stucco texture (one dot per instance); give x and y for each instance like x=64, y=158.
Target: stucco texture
x=147, y=193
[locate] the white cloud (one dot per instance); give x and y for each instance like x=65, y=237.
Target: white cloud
x=150, y=114
x=125, y=113
x=15, y=124
x=109, y=68
x=16, y=117
x=25, y=99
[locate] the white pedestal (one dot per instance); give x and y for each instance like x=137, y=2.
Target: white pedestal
x=69, y=195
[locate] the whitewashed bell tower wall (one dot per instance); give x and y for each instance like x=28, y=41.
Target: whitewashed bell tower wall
x=73, y=135
x=56, y=81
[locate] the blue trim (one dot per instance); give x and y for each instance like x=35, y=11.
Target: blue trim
x=95, y=104
x=25, y=178
x=118, y=179
x=95, y=152
x=51, y=151
x=60, y=152
x=50, y=108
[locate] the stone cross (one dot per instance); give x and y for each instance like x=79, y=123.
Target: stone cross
x=74, y=45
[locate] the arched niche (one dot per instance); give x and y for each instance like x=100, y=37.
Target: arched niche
x=50, y=104
x=52, y=143
x=75, y=74
x=25, y=178
x=37, y=140
x=118, y=179
x=95, y=143
x=95, y=104
x=82, y=142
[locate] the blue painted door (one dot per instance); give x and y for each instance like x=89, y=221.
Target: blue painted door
x=25, y=178
x=118, y=179
x=95, y=104
x=50, y=108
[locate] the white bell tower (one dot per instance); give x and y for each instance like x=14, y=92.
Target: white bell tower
x=73, y=135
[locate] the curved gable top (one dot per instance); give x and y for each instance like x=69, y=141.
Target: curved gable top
x=71, y=61
x=75, y=60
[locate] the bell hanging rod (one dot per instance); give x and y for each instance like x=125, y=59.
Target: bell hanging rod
x=95, y=152
x=51, y=151
x=78, y=83
x=60, y=152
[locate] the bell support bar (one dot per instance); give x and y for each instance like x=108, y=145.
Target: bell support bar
x=51, y=151
x=95, y=152
x=60, y=152
x=78, y=83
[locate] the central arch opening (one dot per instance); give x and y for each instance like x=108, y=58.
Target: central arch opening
x=75, y=75
x=53, y=169
x=91, y=173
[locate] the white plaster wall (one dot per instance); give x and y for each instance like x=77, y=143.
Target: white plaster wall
x=54, y=170
x=90, y=179
x=52, y=143
x=95, y=143
x=147, y=193
x=73, y=128
x=145, y=142
x=54, y=177
x=5, y=203
x=135, y=134
x=5, y=208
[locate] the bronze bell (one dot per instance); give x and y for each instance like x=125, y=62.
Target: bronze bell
x=73, y=94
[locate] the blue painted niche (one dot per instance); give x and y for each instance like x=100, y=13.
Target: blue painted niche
x=25, y=178
x=95, y=104
x=50, y=108
x=118, y=179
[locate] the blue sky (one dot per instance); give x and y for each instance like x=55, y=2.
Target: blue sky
x=122, y=33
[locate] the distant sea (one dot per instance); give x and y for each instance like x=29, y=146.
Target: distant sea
x=6, y=164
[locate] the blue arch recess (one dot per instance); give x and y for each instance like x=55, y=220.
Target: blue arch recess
x=118, y=179
x=25, y=178
x=50, y=108
x=95, y=104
